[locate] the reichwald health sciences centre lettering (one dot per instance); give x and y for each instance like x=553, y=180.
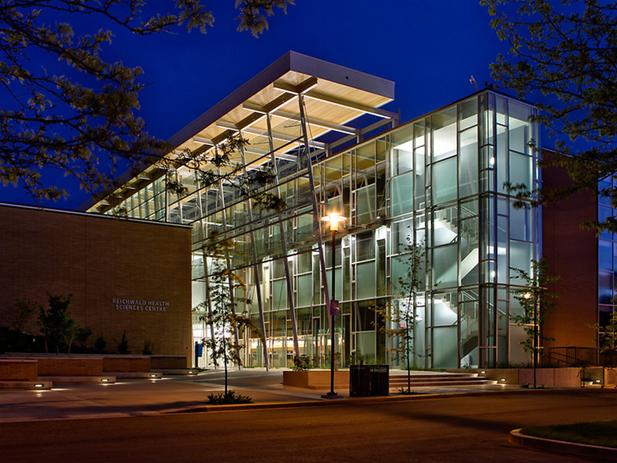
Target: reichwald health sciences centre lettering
x=140, y=305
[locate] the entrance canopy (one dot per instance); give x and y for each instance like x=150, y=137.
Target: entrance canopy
x=268, y=112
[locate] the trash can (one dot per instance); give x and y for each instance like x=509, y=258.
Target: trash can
x=380, y=380
x=359, y=380
x=369, y=380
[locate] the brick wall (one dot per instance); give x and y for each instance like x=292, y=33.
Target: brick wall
x=571, y=253
x=97, y=259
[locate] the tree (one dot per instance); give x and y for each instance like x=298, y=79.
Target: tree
x=212, y=167
x=58, y=328
x=608, y=336
x=219, y=314
x=123, y=345
x=399, y=321
x=78, y=114
x=563, y=55
x=536, y=298
x=25, y=309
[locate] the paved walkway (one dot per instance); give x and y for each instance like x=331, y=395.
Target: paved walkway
x=168, y=395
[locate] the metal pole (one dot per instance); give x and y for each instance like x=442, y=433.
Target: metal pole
x=332, y=312
x=256, y=267
x=331, y=307
x=535, y=338
x=288, y=276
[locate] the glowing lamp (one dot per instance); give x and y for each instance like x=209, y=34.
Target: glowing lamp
x=334, y=220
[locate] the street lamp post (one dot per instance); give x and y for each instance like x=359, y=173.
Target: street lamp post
x=535, y=340
x=334, y=221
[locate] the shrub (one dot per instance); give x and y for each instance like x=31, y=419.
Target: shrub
x=229, y=397
x=100, y=344
x=302, y=363
x=148, y=347
x=123, y=346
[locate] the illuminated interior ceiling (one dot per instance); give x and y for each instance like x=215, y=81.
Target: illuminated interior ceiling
x=333, y=97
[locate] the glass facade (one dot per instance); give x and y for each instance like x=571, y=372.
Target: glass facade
x=607, y=258
x=440, y=181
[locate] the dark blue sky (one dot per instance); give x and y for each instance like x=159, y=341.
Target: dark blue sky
x=429, y=48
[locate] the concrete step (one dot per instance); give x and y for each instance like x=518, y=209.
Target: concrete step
x=436, y=377
x=476, y=382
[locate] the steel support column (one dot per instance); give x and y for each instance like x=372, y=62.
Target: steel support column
x=316, y=208
x=255, y=266
x=288, y=277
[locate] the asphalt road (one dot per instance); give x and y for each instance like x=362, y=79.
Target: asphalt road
x=461, y=429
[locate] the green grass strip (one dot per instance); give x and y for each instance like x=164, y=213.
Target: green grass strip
x=602, y=433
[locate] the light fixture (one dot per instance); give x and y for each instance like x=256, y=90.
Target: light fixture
x=334, y=220
x=39, y=386
x=104, y=380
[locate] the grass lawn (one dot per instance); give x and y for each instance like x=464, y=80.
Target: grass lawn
x=598, y=433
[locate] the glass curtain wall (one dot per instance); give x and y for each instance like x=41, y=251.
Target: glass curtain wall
x=442, y=181
x=607, y=259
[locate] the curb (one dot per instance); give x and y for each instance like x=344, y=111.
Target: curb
x=553, y=445
x=324, y=402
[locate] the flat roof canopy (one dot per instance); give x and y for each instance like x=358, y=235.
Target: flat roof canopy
x=333, y=97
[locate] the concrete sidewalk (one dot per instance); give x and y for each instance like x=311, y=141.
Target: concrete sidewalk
x=168, y=395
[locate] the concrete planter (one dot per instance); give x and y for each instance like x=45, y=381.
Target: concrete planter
x=552, y=377
x=65, y=364
x=169, y=362
x=316, y=379
x=126, y=364
x=18, y=370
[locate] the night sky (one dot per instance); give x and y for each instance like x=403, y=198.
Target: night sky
x=429, y=48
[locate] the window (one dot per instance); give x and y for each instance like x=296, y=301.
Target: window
x=365, y=246
x=469, y=162
x=402, y=158
x=305, y=290
x=365, y=207
x=444, y=181
x=444, y=266
x=365, y=280
x=279, y=294
x=444, y=134
x=402, y=236
x=401, y=194
x=520, y=129
x=520, y=170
